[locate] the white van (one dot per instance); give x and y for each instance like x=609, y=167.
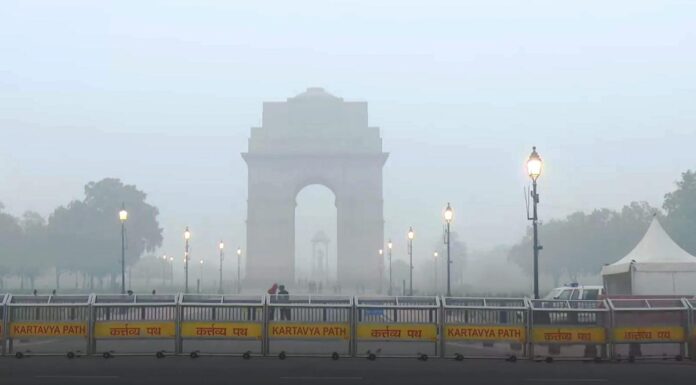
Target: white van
x=576, y=292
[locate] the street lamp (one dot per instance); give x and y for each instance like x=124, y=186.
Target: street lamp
x=171, y=270
x=435, y=270
x=123, y=216
x=200, y=277
x=187, y=237
x=449, y=215
x=534, y=164
x=381, y=268
x=239, y=269
x=221, y=246
x=164, y=269
x=411, y=234
x=389, y=246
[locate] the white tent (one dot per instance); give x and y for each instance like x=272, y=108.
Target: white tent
x=656, y=266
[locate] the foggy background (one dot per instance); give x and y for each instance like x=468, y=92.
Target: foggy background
x=162, y=94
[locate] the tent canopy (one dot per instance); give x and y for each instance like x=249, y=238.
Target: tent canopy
x=655, y=252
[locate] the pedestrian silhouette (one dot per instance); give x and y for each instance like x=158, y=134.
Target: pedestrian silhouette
x=272, y=292
x=284, y=297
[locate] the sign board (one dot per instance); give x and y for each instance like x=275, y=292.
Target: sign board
x=401, y=332
x=649, y=334
x=309, y=330
x=134, y=329
x=238, y=330
x=48, y=329
x=486, y=333
x=569, y=335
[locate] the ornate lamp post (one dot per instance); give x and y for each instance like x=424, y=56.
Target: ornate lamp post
x=410, y=234
x=435, y=271
x=381, y=268
x=449, y=215
x=123, y=216
x=389, y=246
x=187, y=237
x=221, y=246
x=534, y=165
x=239, y=270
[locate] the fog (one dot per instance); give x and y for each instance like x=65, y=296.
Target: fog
x=163, y=95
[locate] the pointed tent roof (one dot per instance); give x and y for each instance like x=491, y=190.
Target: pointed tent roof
x=655, y=252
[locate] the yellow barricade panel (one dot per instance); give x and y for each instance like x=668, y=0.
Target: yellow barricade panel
x=135, y=330
x=404, y=332
x=309, y=330
x=45, y=329
x=486, y=333
x=649, y=334
x=234, y=330
x=569, y=335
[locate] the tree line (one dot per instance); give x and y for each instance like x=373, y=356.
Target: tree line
x=83, y=237
x=581, y=243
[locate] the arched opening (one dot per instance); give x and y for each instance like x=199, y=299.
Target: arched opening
x=315, y=238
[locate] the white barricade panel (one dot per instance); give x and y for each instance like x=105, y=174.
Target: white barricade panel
x=134, y=324
x=650, y=327
x=222, y=324
x=3, y=326
x=61, y=321
x=569, y=329
x=484, y=327
x=309, y=325
x=397, y=326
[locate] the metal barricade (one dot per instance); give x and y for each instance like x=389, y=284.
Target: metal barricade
x=134, y=324
x=645, y=328
x=61, y=322
x=3, y=325
x=309, y=325
x=484, y=327
x=221, y=324
x=575, y=329
x=397, y=326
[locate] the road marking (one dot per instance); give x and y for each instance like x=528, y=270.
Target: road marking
x=302, y=378
x=557, y=380
x=67, y=376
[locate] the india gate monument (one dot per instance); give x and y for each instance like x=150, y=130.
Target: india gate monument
x=315, y=138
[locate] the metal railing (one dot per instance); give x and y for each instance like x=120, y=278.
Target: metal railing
x=3, y=324
x=357, y=326
x=397, y=326
x=222, y=324
x=310, y=319
x=491, y=322
x=650, y=327
x=578, y=327
x=59, y=318
x=123, y=321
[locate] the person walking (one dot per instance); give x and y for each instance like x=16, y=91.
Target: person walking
x=273, y=292
x=284, y=297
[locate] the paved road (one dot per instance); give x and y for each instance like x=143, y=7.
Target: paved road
x=300, y=371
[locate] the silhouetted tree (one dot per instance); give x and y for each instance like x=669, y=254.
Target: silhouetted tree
x=680, y=208
x=582, y=243
x=86, y=234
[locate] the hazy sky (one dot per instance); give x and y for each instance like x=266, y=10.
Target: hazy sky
x=162, y=95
